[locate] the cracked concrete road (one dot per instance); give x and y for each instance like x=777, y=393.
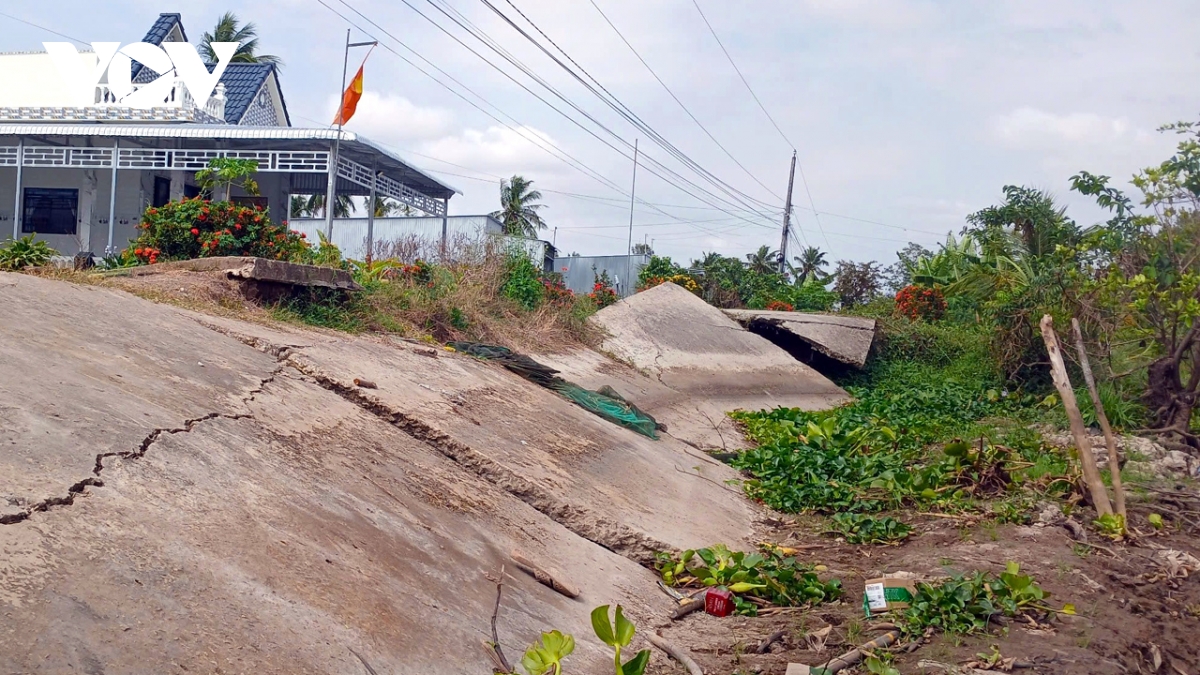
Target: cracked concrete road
x=258, y=514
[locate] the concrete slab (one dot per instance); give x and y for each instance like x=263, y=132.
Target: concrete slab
x=845, y=339
x=695, y=349
x=253, y=511
x=253, y=269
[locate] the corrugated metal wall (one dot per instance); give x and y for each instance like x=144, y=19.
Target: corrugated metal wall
x=579, y=275
x=350, y=234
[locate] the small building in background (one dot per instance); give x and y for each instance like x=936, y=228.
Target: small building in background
x=580, y=272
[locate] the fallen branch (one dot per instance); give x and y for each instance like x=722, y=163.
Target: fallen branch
x=686, y=608
x=543, y=577
x=771, y=639
x=366, y=665
x=855, y=655
x=1062, y=382
x=493, y=648
x=365, y=384
x=676, y=653
x=1114, y=461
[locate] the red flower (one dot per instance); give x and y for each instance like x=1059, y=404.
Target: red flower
x=137, y=251
x=303, y=236
x=238, y=226
x=195, y=232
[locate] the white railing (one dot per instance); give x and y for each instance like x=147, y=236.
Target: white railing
x=215, y=107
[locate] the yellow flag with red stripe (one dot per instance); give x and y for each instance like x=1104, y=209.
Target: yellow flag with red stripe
x=350, y=98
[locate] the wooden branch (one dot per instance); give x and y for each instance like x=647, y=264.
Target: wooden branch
x=771, y=639
x=365, y=384
x=1062, y=382
x=855, y=655
x=366, y=665
x=1114, y=461
x=676, y=653
x=545, y=578
x=686, y=608
x=494, y=648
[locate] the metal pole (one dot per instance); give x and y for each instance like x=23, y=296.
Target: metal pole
x=371, y=211
x=112, y=197
x=17, y=197
x=554, y=239
x=632, y=193
x=331, y=187
x=787, y=217
x=445, y=225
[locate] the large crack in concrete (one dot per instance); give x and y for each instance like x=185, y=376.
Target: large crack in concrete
x=616, y=537
x=95, y=480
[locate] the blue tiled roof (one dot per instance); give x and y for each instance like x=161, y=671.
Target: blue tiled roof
x=242, y=82
x=159, y=32
x=162, y=28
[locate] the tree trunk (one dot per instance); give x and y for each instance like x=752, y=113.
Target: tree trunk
x=1114, y=461
x=1170, y=402
x=1058, y=370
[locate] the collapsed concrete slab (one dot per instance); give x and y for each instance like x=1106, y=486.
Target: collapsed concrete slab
x=259, y=270
x=186, y=493
x=695, y=350
x=845, y=339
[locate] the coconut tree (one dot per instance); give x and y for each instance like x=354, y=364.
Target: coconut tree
x=230, y=29
x=314, y=206
x=762, y=261
x=519, y=208
x=809, y=264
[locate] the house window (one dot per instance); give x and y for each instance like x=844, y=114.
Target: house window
x=50, y=211
x=162, y=191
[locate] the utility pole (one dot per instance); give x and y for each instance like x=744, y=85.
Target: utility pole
x=632, y=193
x=787, y=217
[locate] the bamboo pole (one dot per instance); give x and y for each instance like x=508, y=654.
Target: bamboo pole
x=1114, y=463
x=1058, y=370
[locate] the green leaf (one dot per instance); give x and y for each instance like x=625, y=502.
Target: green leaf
x=636, y=665
x=602, y=627
x=625, y=629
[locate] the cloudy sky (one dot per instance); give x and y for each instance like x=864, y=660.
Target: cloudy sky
x=906, y=114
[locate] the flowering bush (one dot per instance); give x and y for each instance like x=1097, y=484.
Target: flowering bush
x=556, y=291
x=197, y=228
x=602, y=291
x=684, y=280
x=919, y=302
x=780, y=306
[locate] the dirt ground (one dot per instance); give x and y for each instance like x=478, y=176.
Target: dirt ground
x=1129, y=611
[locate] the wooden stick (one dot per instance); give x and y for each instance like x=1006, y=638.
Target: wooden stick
x=771, y=639
x=545, y=578
x=853, y=656
x=1114, y=463
x=494, y=647
x=687, y=608
x=365, y=384
x=1062, y=382
x=676, y=653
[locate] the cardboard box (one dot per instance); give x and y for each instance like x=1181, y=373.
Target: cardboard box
x=886, y=594
x=718, y=602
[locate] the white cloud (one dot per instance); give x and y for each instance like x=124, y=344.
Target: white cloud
x=389, y=118
x=496, y=149
x=1030, y=126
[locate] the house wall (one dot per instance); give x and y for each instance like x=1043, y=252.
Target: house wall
x=135, y=190
x=579, y=275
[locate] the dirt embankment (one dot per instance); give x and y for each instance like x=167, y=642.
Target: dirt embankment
x=184, y=493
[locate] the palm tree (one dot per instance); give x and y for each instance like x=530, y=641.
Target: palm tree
x=763, y=261
x=229, y=30
x=518, y=208
x=810, y=261
x=385, y=207
x=314, y=206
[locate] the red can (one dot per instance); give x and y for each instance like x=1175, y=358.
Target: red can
x=718, y=602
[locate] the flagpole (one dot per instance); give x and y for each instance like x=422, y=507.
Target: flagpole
x=331, y=189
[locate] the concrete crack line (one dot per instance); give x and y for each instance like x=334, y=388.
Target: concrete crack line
x=150, y=439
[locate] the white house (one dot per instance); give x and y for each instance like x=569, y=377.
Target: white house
x=79, y=174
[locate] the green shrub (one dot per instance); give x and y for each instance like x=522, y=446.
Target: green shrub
x=25, y=252
x=523, y=283
x=858, y=528
x=195, y=228
x=812, y=296
x=1123, y=412
x=659, y=266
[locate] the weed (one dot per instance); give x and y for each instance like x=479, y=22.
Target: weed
x=863, y=529
x=854, y=631
x=965, y=604
x=1081, y=550
x=546, y=655
x=24, y=252
x=523, y=283
x=617, y=635
x=769, y=575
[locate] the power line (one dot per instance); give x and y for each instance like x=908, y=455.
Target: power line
x=466, y=25
x=673, y=96
x=803, y=179
x=48, y=30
